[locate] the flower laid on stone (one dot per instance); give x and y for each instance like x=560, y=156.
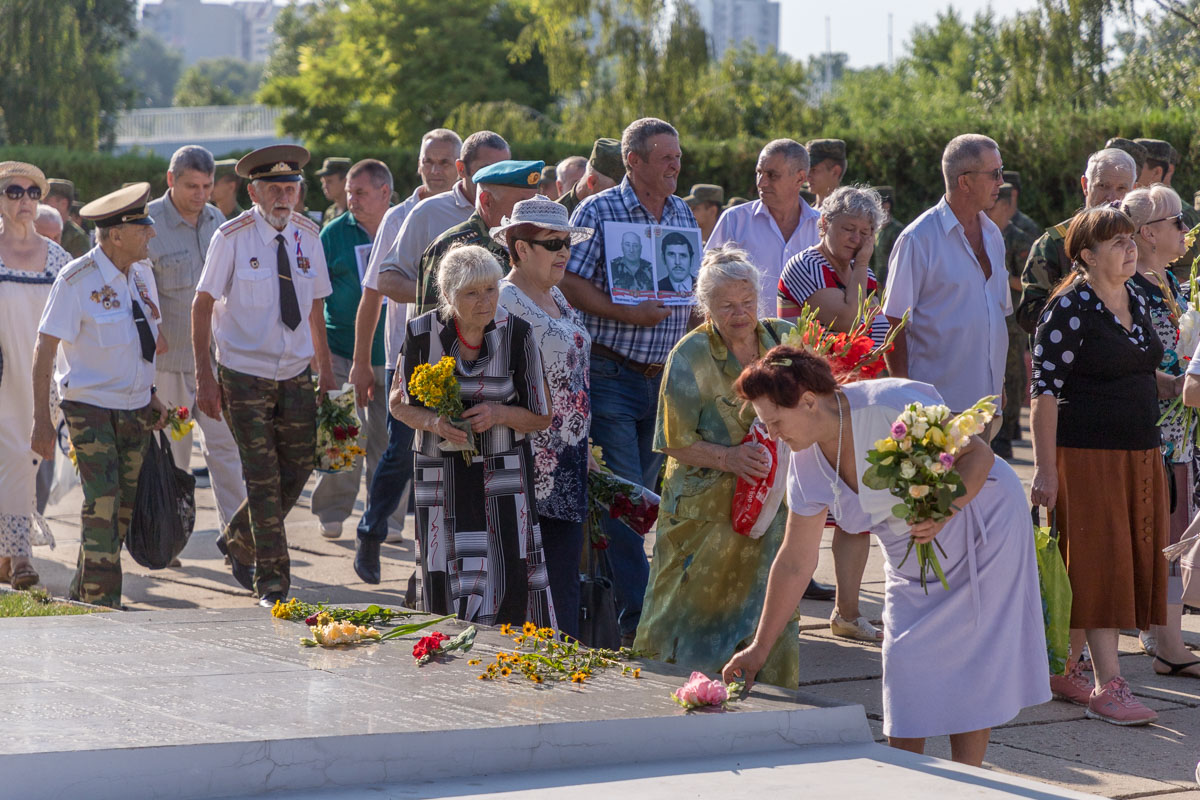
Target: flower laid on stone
x=700, y=692
x=337, y=432
x=327, y=632
x=295, y=609
x=180, y=422
x=439, y=644
x=916, y=465
x=541, y=656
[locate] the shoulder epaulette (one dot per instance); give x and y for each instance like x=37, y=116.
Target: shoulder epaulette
x=302, y=221
x=242, y=220
x=76, y=270
x=1061, y=228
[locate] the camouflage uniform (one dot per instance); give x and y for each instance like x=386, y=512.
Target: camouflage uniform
x=569, y=201
x=1047, y=265
x=1017, y=244
x=473, y=231
x=275, y=425
x=885, y=239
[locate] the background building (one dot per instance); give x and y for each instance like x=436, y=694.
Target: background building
x=199, y=30
x=732, y=22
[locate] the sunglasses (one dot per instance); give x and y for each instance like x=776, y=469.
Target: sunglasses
x=1178, y=218
x=995, y=174
x=550, y=245
x=14, y=192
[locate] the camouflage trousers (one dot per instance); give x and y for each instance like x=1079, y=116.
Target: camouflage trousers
x=109, y=448
x=1016, y=382
x=275, y=426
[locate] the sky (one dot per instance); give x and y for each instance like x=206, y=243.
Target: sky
x=860, y=27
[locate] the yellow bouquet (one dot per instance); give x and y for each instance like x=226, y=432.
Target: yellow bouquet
x=436, y=386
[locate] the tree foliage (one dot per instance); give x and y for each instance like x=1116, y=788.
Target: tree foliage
x=150, y=69
x=219, y=82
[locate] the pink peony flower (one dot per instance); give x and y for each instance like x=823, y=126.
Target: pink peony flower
x=700, y=691
x=899, y=430
x=947, y=460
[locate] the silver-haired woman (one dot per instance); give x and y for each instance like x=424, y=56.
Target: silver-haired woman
x=707, y=582
x=477, y=523
x=831, y=276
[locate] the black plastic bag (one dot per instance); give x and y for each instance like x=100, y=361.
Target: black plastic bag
x=597, y=603
x=164, y=512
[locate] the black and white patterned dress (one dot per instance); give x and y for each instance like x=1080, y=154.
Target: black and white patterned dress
x=477, y=524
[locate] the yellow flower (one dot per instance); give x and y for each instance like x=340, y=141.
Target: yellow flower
x=533, y=676
x=545, y=633
x=887, y=445
x=473, y=662
x=506, y=629
x=529, y=629
x=637, y=672
x=935, y=437
x=505, y=672
x=578, y=677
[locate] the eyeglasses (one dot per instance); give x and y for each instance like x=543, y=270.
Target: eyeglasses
x=551, y=245
x=14, y=192
x=995, y=174
x=1178, y=218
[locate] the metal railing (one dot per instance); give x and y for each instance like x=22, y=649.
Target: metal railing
x=150, y=125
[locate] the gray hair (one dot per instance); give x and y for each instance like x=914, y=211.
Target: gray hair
x=854, y=201
x=637, y=136
x=1109, y=158
x=1144, y=205
x=578, y=162
x=192, y=156
x=794, y=152
x=469, y=152
x=443, y=135
x=720, y=266
x=962, y=154
x=50, y=214
x=377, y=170
x=461, y=267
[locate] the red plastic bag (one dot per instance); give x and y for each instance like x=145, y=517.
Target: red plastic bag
x=755, y=503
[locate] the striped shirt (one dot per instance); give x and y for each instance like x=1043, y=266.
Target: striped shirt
x=588, y=261
x=807, y=273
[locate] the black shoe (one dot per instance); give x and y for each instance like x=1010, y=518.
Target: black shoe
x=200, y=472
x=819, y=591
x=269, y=599
x=366, y=561
x=241, y=573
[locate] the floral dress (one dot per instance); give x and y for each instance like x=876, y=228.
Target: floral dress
x=1164, y=314
x=559, y=452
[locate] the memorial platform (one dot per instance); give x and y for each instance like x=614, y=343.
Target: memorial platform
x=226, y=703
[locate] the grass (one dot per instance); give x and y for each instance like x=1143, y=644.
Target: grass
x=36, y=603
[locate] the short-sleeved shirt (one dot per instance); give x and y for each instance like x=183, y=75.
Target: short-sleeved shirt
x=1101, y=374
x=808, y=273
x=751, y=227
x=696, y=403
x=429, y=219
x=397, y=313
x=472, y=231
x=177, y=258
x=240, y=273
x=957, y=336
x=560, y=452
x=340, y=238
x=588, y=261
x=90, y=309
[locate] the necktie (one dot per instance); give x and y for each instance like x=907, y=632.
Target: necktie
x=289, y=308
x=143, y=328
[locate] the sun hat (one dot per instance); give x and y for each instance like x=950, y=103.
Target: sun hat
x=544, y=213
x=19, y=169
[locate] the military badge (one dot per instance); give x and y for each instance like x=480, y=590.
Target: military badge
x=107, y=297
x=302, y=264
x=145, y=295
x=254, y=263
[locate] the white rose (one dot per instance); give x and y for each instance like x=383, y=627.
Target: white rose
x=907, y=469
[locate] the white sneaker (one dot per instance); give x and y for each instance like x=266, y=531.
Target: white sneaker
x=331, y=530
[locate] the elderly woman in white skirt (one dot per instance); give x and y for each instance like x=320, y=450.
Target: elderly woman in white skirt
x=956, y=661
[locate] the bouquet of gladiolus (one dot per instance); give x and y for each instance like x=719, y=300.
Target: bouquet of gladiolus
x=700, y=692
x=852, y=356
x=436, y=386
x=337, y=431
x=916, y=464
x=327, y=632
x=438, y=644
x=622, y=500
x=180, y=422
x=1188, y=321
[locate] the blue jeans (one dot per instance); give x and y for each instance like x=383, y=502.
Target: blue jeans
x=624, y=407
x=393, y=474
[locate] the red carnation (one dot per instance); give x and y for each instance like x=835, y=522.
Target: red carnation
x=339, y=432
x=353, y=431
x=182, y=413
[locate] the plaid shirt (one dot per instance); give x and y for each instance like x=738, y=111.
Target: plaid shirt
x=588, y=260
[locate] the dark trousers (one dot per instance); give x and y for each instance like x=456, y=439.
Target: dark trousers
x=562, y=542
x=393, y=476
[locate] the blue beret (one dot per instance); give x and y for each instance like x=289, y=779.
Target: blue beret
x=525, y=174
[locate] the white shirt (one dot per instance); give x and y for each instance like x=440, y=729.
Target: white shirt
x=397, y=313
x=751, y=227
x=956, y=334
x=90, y=310
x=240, y=274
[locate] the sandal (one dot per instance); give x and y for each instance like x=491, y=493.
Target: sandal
x=860, y=630
x=24, y=576
x=1177, y=669
x=1149, y=643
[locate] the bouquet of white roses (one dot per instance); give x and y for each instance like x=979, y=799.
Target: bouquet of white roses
x=916, y=464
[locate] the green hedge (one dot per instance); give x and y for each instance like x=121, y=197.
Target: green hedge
x=1049, y=150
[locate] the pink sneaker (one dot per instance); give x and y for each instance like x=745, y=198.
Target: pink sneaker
x=1113, y=702
x=1072, y=687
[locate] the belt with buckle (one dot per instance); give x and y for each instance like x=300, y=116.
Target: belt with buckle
x=648, y=370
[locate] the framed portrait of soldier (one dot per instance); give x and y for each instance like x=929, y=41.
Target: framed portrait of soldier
x=677, y=264
x=629, y=248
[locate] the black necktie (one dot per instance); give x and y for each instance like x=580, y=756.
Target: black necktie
x=143, y=329
x=289, y=308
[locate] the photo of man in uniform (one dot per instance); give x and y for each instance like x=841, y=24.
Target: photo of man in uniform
x=678, y=255
x=629, y=271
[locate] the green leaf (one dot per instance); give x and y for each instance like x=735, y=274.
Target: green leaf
x=413, y=627
x=900, y=511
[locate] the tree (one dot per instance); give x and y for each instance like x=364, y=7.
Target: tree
x=391, y=69
x=150, y=69
x=1162, y=58
x=219, y=82
x=749, y=94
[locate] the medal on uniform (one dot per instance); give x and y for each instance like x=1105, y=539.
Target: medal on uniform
x=254, y=263
x=301, y=259
x=145, y=295
x=107, y=297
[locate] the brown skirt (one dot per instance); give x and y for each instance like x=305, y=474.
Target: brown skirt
x=1113, y=522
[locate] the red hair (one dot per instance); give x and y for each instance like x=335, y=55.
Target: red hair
x=783, y=374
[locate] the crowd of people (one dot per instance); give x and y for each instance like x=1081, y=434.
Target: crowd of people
x=246, y=317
